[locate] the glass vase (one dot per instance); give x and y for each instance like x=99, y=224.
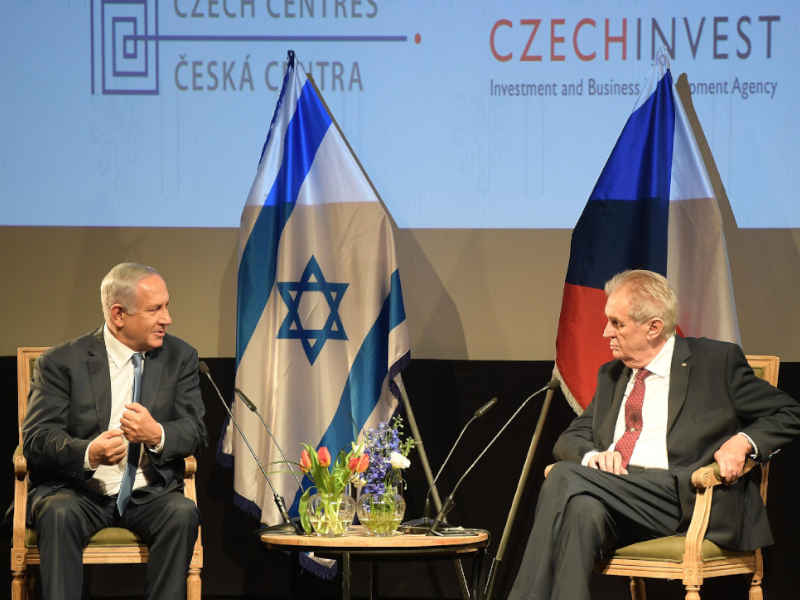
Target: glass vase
x=381, y=513
x=331, y=514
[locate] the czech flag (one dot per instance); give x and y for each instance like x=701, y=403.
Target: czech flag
x=653, y=207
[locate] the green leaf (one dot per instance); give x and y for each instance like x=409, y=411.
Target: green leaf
x=303, y=509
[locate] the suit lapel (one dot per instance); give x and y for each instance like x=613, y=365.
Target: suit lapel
x=99, y=378
x=678, y=380
x=150, y=378
x=610, y=418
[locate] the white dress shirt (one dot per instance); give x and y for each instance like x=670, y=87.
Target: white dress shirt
x=107, y=478
x=650, y=450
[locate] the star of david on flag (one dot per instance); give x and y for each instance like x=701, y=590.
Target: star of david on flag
x=321, y=329
x=653, y=207
x=292, y=328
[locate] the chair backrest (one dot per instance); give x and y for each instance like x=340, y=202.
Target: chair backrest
x=26, y=357
x=766, y=367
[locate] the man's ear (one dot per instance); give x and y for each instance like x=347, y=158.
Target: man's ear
x=116, y=315
x=655, y=329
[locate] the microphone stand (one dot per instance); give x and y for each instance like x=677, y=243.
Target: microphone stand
x=423, y=524
x=426, y=467
x=288, y=526
x=249, y=404
x=449, y=501
x=490, y=579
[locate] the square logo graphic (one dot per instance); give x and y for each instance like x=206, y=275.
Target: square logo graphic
x=124, y=46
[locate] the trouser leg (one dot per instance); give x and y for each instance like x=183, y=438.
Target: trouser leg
x=64, y=522
x=567, y=539
x=168, y=525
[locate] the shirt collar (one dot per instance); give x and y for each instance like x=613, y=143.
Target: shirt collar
x=118, y=353
x=661, y=364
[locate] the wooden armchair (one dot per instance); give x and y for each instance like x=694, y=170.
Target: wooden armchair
x=691, y=557
x=112, y=545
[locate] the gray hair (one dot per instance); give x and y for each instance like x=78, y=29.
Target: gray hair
x=651, y=296
x=119, y=286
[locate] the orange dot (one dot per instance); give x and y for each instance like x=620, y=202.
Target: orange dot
x=417, y=38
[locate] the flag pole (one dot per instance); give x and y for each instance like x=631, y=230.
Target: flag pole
x=523, y=478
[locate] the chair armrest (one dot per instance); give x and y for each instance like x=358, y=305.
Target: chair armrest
x=189, y=479
x=20, y=464
x=189, y=466
x=20, y=507
x=708, y=476
x=704, y=480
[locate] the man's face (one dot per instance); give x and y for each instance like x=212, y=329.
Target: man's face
x=633, y=343
x=144, y=329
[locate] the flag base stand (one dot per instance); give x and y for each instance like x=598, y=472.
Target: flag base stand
x=291, y=528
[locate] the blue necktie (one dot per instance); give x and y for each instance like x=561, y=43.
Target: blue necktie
x=126, y=485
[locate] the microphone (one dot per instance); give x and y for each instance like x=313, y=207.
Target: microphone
x=288, y=526
x=448, y=503
x=249, y=404
x=477, y=415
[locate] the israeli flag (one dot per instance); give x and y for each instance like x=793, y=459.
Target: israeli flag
x=320, y=327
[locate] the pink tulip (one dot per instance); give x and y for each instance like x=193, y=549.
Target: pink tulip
x=363, y=463
x=324, y=457
x=352, y=464
x=305, y=461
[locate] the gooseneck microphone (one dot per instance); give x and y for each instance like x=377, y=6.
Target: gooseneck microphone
x=249, y=404
x=448, y=503
x=288, y=525
x=477, y=415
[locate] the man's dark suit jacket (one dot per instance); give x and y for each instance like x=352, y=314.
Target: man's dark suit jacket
x=70, y=404
x=713, y=394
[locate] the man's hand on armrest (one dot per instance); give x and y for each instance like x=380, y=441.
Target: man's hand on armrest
x=731, y=457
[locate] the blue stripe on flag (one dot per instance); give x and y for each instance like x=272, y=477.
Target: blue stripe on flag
x=364, y=383
x=625, y=222
x=257, y=268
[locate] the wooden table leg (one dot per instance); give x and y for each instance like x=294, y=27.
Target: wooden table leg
x=373, y=580
x=477, y=568
x=346, y=576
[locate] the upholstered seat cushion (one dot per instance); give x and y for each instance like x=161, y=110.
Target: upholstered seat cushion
x=110, y=536
x=671, y=548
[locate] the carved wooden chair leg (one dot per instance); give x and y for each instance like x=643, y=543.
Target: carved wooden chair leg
x=18, y=585
x=194, y=584
x=755, y=589
x=637, y=588
x=692, y=592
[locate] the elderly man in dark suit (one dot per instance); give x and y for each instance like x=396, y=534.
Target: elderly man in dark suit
x=111, y=416
x=664, y=407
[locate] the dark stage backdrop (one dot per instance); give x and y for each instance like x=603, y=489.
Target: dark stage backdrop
x=444, y=394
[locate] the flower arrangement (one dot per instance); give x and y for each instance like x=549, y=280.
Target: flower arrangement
x=381, y=507
x=329, y=480
x=388, y=456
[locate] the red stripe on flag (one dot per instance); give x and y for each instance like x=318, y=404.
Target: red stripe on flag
x=580, y=346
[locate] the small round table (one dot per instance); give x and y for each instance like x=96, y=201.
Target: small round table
x=356, y=543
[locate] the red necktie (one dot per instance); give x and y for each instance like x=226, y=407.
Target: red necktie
x=633, y=418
